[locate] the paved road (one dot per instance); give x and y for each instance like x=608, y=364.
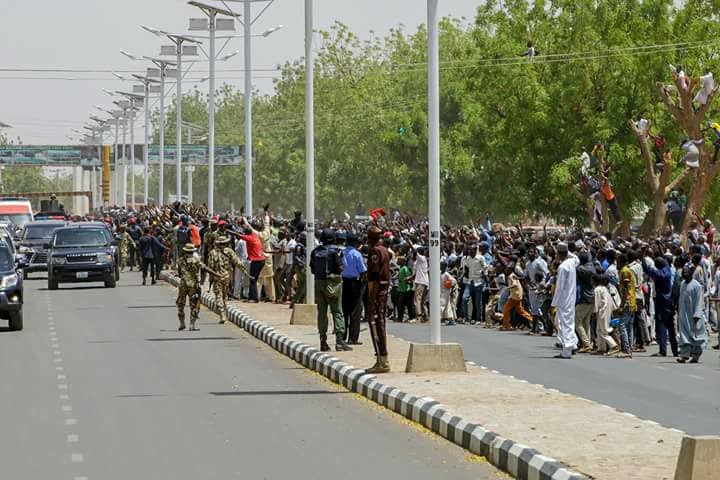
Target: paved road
x=100, y=385
x=686, y=397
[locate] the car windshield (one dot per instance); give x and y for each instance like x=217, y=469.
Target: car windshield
x=19, y=219
x=80, y=237
x=7, y=262
x=39, y=232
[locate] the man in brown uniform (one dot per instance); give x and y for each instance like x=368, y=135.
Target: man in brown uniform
x=378, y=277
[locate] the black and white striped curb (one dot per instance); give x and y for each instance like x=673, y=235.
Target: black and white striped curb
x=518, y=460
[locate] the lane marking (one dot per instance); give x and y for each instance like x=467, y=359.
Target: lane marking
x=55, y=345
x=77, y=458
x=58, y=360
x=59, y=368
x=61, y=377
x=64, y=396
x=73, y=438
x=697, y=377
x=80, y=478
x=57, y=352
x=67, y=408
x=70, y=421
x=62, y=386
x=660, y=367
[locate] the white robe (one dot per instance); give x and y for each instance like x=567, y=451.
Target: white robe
x=708, y=83
x=564, y=303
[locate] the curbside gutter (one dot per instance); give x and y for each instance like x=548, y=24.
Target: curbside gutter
x=520, y=461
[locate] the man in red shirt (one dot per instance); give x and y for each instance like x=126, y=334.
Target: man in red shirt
x=256, y=257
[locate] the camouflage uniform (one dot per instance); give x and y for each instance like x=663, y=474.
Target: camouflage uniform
x=125, y=241
x=189, y=267
x=223, y=260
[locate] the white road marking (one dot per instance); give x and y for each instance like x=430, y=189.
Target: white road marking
x=697, y=377
x=70, y=421
x=55, y=345
x=58, y=360
x=77, y=457
x=50, y=323
x=661, y=368
x=73, y=438
x=67, y=408
x=64, y=396
x=80, y=478
x=61, y=377
x=62, y=386
x=57, y=352
x=59, y=368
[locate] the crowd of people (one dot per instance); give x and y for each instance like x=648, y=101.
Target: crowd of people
x=597, y=294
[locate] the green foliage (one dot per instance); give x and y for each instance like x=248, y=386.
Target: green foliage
x=511, y=127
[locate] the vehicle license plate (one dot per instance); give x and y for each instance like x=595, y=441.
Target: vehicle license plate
x=80, y=275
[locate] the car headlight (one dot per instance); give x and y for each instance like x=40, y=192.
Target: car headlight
x=8, y=281
x=104, y=258
x=25, y=250
x=59, y=260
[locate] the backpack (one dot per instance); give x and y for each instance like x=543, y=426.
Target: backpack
x=183, y=236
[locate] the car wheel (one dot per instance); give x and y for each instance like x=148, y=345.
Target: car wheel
x=110, y=282
x=16, y=320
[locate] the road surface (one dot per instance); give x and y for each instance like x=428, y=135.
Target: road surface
x=685, y=397
x=101, y=385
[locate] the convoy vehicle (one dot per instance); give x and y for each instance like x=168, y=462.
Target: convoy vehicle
x=11, y=289
x=82, y=252
x=31, y=243
x=17, y=211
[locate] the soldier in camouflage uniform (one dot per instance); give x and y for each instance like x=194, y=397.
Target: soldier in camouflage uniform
x=208, y=242
x=189, y=267
x=223, y=260
x=125, y=241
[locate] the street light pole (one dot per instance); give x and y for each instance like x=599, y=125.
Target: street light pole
x=247, y=29
x=161, y=180
x=309, y=146
x=434, y=167
x=146, y=150
x=211, y=124
x=132, y=153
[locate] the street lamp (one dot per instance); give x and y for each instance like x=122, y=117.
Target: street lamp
x=180, y=50
x=161, y=70
x=116, y=115
x=247, y=22
x=309, y=146
x=135, y=101
x=126, y=107
x=146, y=89
x=212, y=24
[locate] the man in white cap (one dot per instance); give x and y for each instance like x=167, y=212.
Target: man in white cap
x=564, y=301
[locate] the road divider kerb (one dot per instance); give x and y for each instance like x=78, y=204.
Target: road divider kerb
x=518, y=460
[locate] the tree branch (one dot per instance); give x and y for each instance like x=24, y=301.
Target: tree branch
x=678, y=180
x=674, y=110
x=642, y=136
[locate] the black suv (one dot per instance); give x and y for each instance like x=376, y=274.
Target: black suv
x=11, y=289
x=32, y=239
x=82, y=253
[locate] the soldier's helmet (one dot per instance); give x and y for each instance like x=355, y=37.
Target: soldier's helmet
x=221, y=241
x=189, y=248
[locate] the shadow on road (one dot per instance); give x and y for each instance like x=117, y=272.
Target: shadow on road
x=188, y=339
x=279, y=392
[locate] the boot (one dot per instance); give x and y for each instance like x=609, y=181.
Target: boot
x=324, y=347
x=182, y=326
x=381, y=366
x=341, y=346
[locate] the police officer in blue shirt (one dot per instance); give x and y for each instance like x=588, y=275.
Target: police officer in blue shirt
x=353, y=280
x=326, y=264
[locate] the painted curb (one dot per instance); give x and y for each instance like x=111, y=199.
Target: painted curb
x=518, y=460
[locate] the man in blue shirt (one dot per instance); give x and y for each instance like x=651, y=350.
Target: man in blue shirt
x=353, y=277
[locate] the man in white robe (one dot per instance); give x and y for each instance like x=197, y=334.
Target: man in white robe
x=564, y=301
